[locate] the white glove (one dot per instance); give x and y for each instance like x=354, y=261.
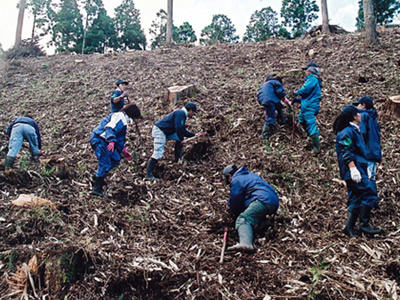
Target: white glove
x=355, y=175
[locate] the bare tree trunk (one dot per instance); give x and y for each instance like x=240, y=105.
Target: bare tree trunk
x=84, y=33
x=370, y=23
x=169, y=22
x=20, y=23
x=33, y=29
x=325, y=19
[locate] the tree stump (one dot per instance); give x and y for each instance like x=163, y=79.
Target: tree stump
x=178, y=91
x=393, y=106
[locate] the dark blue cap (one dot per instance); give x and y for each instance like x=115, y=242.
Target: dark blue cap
x=191, y=106
x=310, y=64
x=349, y=111
x=119, y=81
x=365, y=100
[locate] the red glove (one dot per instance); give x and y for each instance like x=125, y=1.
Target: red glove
x=202, y=134
x=111, y=146
x=126, y=154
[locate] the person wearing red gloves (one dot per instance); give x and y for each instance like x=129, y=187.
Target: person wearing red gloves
x=108, y=143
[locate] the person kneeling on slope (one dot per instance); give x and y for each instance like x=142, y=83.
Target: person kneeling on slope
x=251, y=199
x=108, y=143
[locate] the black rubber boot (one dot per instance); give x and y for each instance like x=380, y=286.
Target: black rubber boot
x=264, y=225
x=365, y=216
x=351, y=222
x=178, y=151
x=9, y=162
x=98, y=187
x=245, y=239
x=266, y=131
x=316, y=144
x=151, y=165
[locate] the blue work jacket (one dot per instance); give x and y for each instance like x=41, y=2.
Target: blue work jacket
x=271, y=91
x=371, y=132
x=116, y=107
x=247, y=187
x=175, y=122
x=310, y=94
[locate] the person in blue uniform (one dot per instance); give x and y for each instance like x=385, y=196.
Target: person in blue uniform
x=108, y=143
x=270, y=95
x=23, y=128
x=251, y=199
x=372, y=137
x=118, y=96
x=171, y=127
x=309, y=98
x=353, y=163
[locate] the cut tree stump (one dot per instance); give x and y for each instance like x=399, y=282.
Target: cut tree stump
x=178, y=91
x=393, y=106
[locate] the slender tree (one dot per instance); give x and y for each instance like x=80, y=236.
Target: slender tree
x=263, y=25
x=370, y=23
x=325, y=19
x=299, y=14
x=20, y=23
x=221, y=30
x=38, y=10
x=385, y=11
x=169, y=22
x=184, y=34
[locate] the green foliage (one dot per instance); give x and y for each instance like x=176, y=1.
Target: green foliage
x=298, y=15
x=66, y=26
x=27, y=48
x=184, y=34
x=221, y=30
x=38, y=9
x=129, y=30
x=317, y=272
x=385, y=11
x=263, y=25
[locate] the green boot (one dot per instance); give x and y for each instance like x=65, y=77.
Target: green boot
x=365, y=216
x=316, y=144
x=245, y=239
x=351, y=221
x=151, y=165
x=98, y=187
x=266, y=131
x=9, y=162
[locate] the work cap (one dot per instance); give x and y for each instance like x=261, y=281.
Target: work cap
x=191, y=106
x=365, y=100
x=119, y=81
x=349, y=111
x=314, y=70
x=228, y=170
x=310, y=64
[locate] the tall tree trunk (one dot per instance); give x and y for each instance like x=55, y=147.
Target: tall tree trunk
x=169, y=22
x=370, y=23
x=33, y=29
x=325, y=19
x=20, y=23
x=84, y=33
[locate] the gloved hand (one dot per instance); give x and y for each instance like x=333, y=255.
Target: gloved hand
x=294, y=100
x=355, y=175
x=126, y=154
x=111, y=146
x=201, y=134
x=287, y=101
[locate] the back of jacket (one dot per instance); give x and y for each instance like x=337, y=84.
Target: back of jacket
x=175, y=122
x=247, y=187
x=271, y=90
x=310, y=93
x=29, y=121
x=371, y=132
x=350, y=147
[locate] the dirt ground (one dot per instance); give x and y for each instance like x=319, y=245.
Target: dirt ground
x=162, y=240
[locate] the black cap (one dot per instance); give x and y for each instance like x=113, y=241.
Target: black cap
x=310, y=64
x=365, y=100
x=119, y=81
x=191, y=106
x=349, y=111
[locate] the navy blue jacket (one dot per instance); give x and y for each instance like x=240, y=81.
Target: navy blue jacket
x=350, y=147
x=112, y=128
x=371, y=132
x=247, y=187
x=115, y=107
x=271, y=90
x=175, y=122
x=30, y=121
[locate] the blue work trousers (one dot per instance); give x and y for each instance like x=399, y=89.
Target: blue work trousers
x=270, y=112
x=308, y=121
x=107, y=160
x=19, y=132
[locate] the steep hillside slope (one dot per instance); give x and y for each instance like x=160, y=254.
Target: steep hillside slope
x=162, y=240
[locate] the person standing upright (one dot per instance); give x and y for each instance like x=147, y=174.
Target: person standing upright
x=118, y=96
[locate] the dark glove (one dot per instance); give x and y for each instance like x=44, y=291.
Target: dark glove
x=294, y=100
x=111, y=146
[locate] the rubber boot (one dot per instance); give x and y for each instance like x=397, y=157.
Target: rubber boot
x=9, y=162
x=266, y=131
x=315, y=144
x=351, y=221
x=98, y=187
x=151, y=165
x=245, y=239
x=264, y=225
x=35, y=159
x=178, y=151
x=365, y=216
